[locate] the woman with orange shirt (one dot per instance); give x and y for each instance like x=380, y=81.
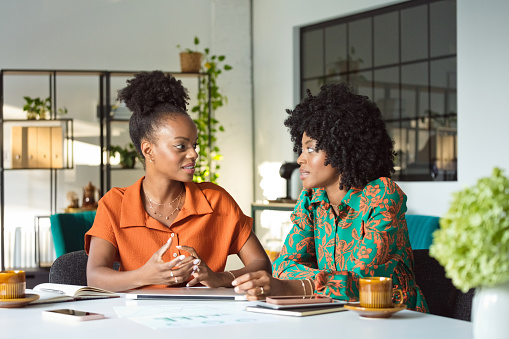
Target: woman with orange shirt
x=165, y=229
x=349, y=221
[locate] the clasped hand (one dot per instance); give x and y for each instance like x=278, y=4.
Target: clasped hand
x=180, y=269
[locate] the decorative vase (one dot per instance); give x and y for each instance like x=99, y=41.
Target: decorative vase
x=190, y=62
x=490, y=312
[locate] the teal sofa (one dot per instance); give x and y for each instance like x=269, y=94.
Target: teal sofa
x=68, y=230
x=420, y=230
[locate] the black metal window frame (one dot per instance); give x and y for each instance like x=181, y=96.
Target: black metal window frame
x=421, y=156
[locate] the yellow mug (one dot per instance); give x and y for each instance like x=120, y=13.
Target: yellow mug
x=12, y=284
x=377, y=292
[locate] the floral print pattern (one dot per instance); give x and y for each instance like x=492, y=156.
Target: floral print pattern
x=368, y=237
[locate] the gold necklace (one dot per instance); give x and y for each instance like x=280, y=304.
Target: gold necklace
x=160, y=215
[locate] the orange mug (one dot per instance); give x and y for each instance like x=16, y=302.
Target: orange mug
x=12, y=284
x=377, y=292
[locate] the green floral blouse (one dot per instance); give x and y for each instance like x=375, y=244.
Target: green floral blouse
x=369, y=237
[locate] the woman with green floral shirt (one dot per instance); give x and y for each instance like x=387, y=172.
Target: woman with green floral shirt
x=349, y=221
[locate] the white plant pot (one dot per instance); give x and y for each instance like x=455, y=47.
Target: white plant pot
x=490, y=312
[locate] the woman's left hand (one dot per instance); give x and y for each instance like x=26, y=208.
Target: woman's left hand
x=201, y=272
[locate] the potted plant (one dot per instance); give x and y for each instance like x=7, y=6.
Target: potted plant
x=206, y=165
x=473, y=246
x=190, y=60
x=127, y=154
x=38, y=108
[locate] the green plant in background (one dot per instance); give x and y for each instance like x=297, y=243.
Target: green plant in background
x=127, y=154
x=38, y=108
x=473, y=240
x=207, y=124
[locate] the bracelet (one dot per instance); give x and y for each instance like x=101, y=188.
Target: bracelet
x=233, y=275
x=303, y=286
x=311, y=285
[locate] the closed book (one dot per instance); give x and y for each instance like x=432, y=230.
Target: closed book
x=297, y=311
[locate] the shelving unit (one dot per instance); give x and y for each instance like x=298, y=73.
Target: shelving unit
x=102, y=118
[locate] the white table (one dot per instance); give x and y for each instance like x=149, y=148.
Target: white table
x=27, y=322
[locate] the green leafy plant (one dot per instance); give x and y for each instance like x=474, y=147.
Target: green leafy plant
x=473, y=240
x=208, y=126
x=38, y=108
x=127, y=154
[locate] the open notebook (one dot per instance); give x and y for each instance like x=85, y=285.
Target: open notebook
x=51, y=293
x=188, y=293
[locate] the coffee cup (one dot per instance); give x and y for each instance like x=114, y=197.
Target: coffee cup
x=377, y=292
x=12, y=284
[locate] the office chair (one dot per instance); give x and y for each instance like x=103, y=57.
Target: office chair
x=71, y=269
x=442, y=296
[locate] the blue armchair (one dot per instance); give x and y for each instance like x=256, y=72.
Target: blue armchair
x=68, y=230
x=420, y=230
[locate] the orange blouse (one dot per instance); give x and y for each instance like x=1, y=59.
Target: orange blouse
x=210, y=221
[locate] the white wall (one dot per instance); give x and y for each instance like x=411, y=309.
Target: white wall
x=483, y=84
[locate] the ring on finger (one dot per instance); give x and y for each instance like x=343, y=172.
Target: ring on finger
x=261, y=290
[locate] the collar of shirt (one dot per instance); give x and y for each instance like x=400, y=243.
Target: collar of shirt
x=352, y=197
x=134, y=214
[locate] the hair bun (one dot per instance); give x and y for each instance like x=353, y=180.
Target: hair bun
x=148, y=90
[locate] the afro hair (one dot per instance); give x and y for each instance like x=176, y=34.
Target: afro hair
x=349, y=128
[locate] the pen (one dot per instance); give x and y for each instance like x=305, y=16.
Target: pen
x=50, y=290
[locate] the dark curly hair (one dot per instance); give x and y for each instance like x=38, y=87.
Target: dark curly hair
x=349, y=128
x=152, y=97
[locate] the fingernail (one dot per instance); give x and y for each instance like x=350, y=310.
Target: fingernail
x=195, y=268
x=187, y=285
x=236, y=289
x=196, y=261
x=181, y=257
x=234, y=282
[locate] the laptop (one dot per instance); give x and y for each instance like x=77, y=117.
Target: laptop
x=185, y=293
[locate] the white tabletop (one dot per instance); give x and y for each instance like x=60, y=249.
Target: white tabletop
x=27, y=322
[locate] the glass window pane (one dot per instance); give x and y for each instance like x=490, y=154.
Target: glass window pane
x=335, y=48
x=386, y=39
x=386, y=92
x=443, y=86
x=313, y=85
x=362, y=82
x=414, y=91
x=360, y=37
x=442, y=28
x=414, y=33
x=312, y=53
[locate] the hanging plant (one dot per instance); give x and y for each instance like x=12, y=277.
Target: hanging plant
x=207, y=166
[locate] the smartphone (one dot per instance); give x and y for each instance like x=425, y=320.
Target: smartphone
x=298, y=300
x=68, y=314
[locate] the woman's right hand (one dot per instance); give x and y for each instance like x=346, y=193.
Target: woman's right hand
x=258, y=285
x=174, y=272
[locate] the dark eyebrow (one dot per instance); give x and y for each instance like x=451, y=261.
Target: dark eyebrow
x=310, y=141
x=185, y=139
